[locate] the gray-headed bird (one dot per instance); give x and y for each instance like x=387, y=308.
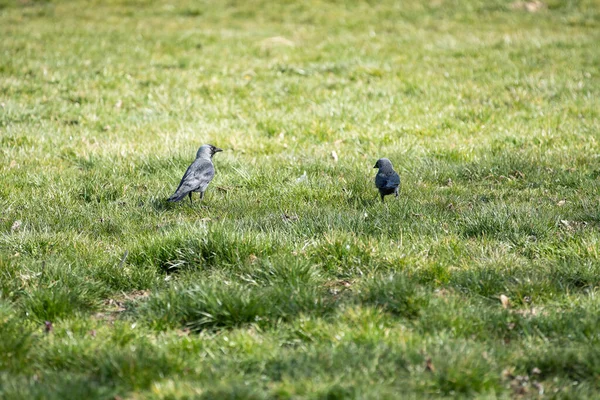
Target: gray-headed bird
x=387, y=180
x=198, y=175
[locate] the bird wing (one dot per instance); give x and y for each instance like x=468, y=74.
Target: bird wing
x=198, y=176
x=387, y=181
x=393, y=180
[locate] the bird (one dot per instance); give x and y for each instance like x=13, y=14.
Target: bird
x=387, y=180
x=198, y=175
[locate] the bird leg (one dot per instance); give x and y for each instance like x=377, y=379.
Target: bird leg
x=382, y=195
x=201, y=195
x=190, y=196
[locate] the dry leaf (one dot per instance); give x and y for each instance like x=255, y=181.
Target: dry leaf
x=529, y=6
x=16, y=225
x=505, y=301
x=519, y=385
x=339, y=284
x=518, y=174
x=539, y=387
x=561, y=203
x=276, y=41
x=429, y=365
x=302, y=178
x=334, y=155
x=534, y=6
x=508, y=373
x=289, y=217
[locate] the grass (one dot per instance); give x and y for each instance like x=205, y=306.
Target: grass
x=292, y=280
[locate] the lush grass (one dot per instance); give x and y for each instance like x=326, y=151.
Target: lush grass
x=280, y=287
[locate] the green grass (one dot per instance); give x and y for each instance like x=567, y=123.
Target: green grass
x=283, y=288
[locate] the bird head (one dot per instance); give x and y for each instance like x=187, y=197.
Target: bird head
x=207, y=151
x=384, y=165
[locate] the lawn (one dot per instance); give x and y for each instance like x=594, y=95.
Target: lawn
x=291, y=280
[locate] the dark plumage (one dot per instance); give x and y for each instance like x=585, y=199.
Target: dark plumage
x=198, y=175
x=387, y=180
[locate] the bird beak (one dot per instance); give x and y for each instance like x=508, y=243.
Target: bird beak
x=216, y=150
x=375, y=166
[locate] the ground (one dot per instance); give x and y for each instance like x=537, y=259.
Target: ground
x=291, y=279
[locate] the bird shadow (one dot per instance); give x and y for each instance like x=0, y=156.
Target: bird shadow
x=160, y=205
x=163, y=205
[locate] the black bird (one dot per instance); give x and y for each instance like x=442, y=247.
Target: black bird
x=387, y=180
x=198, y=175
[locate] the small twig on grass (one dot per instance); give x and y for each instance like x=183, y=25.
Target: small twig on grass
x=123, y=259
